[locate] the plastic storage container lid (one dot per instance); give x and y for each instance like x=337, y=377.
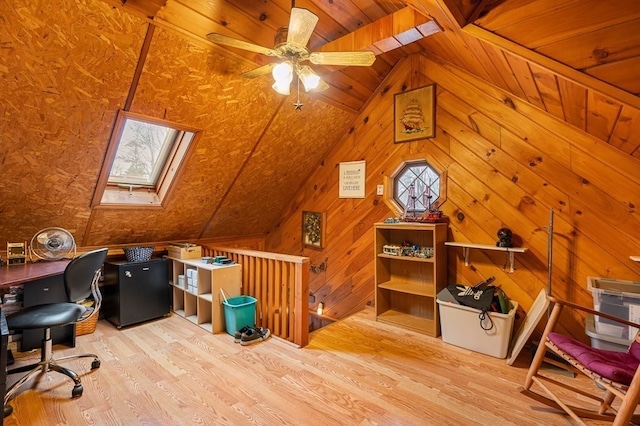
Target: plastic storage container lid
x=613, y=286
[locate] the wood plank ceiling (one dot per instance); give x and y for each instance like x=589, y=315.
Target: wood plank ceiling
x=534, y=49
x=575, y=59
x=257, y=22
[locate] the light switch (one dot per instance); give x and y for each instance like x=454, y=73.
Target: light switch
x=380, y=190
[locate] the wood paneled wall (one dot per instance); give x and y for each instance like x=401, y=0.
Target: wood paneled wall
x=508, y=163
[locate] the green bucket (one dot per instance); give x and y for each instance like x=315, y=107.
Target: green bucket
x=239, y=312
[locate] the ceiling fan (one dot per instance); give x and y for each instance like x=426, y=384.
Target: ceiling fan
x=290, y=45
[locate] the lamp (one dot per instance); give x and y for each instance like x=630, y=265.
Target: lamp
x=310, y=79
x=283, y=75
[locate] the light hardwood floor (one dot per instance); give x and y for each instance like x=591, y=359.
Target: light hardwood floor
x=353, y=372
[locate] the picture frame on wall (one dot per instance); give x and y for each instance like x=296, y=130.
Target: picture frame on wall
x=352, y=179
x=414, y=114
x=313, y=229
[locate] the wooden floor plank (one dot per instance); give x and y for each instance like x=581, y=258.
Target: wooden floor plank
x=353, y=372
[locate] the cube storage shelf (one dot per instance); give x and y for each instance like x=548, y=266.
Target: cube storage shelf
x=203, y=305
x=406, y=287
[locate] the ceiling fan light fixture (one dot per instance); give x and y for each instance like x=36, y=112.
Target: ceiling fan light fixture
x=281, y=87
x=283, y=72
x=310, y=79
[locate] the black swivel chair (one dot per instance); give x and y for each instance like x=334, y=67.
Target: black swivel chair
x=81, y=278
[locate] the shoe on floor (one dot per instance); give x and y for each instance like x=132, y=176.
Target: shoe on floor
x=254, y=335
x=238, y=336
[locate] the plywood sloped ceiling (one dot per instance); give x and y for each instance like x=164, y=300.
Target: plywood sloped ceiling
x=68, y=67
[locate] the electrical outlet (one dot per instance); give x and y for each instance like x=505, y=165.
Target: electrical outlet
x=380, y=190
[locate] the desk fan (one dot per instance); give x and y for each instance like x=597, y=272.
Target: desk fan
x=52, y=244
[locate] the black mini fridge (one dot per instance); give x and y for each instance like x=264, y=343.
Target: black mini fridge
x=134, y=292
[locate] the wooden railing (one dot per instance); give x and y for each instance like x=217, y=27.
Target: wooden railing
x=281, y=285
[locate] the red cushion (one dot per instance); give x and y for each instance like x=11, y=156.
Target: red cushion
x=617, y=366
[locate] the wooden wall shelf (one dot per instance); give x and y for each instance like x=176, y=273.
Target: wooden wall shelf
x=467, y=246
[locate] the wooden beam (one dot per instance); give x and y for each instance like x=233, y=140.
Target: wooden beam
x=391, y=32
x=553, y=66
x=140, y=8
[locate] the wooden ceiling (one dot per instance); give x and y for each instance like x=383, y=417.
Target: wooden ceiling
x=548, y=52
x=591, y=36
x=342, y=25
x=69, y=66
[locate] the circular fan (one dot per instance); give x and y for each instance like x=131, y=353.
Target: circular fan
x=53, y=244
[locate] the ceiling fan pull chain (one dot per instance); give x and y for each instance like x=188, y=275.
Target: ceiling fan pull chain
x=298, y=105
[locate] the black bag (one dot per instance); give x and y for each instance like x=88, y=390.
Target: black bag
x=480, y=296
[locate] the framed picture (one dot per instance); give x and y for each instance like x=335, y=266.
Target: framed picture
x=414, y=114
x=313, y=229
x=352, y=179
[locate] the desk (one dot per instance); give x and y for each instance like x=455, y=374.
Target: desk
x=43, y=283
x=4, y=342
x=20, y=274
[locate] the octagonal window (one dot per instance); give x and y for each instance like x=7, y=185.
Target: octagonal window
x=416, y=188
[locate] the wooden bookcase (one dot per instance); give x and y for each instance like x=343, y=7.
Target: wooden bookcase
x=204, y=305
x=406, y=287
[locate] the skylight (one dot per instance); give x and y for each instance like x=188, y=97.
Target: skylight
x=143, y=159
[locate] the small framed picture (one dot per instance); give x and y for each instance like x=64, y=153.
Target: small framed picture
x=313, y=229
x=414, y=114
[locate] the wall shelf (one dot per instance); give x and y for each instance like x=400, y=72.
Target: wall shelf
x=511, y=251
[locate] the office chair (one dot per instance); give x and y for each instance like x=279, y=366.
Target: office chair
x=615, y=373
x=81, y=278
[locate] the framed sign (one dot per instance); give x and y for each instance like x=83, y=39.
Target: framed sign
x=352, y=176
x=414, y=114
x=313, y=229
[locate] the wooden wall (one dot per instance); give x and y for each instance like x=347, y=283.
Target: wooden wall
x=508, y=163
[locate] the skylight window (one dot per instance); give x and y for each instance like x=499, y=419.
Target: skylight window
x=142, y=161
x=142, y=151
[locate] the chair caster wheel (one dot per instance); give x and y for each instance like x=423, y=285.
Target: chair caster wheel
x=77, y=391
x=95, y=364
x=7, y=411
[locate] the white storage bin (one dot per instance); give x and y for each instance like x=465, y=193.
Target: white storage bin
x=603, y=341
x=615, y=297
x=460, y=326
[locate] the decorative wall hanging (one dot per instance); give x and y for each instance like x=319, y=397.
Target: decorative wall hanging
x=313, y=229
x=352, y=178
x=415, y=114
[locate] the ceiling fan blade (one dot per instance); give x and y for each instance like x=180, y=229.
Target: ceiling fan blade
x=260, y=71
x=363, y=58
x=230, y=41
x=301, y=25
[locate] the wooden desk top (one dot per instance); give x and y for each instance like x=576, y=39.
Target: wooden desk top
x=19, y=274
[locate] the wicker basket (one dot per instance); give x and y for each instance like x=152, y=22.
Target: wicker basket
x=88, y=326
x=138, y=254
